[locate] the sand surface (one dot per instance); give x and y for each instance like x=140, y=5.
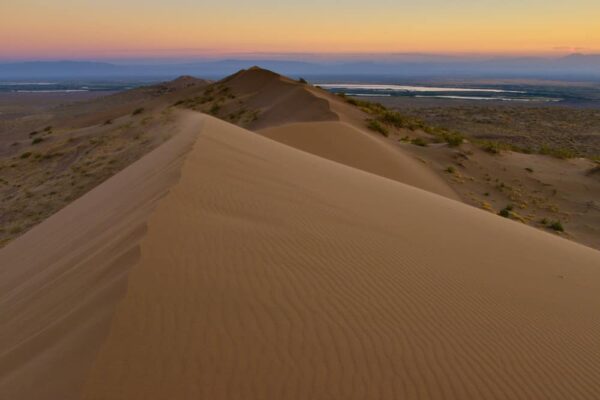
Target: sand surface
x=59, y=282
x=346, y=144
x=267, y=272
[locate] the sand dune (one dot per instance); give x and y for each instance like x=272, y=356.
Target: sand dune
x=244, y=268
x=346, y=144
x=267, y=272
x=279, y=100
x=59, y=282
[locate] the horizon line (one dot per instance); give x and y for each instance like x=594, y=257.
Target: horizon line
x=281, y=56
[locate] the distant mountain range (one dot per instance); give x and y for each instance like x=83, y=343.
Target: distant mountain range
x=575, y=66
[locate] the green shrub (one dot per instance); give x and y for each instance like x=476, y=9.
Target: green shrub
x=450, y=169
x=556, y=226
x=419, y=142
x=394, y=119
x=492, y=147
x=37, y=140
x=138, y=111
x=376, y=126
x=453, y=139
x=26, y=154
x=367, y=106
x=557, y=152
x=504, y=213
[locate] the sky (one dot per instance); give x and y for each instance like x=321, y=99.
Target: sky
x=94, y=29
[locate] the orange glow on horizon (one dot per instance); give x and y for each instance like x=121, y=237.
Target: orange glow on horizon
x=33, y=29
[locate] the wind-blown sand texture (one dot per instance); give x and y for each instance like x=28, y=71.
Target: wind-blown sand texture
x=267, y=272
x=346, y=144
x=59, y=282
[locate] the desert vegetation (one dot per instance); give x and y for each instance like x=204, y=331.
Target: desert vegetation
x=569, y=146
x=561, y=132
x=220, y=101
x=48, y=174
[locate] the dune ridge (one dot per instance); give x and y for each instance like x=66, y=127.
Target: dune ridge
x=59, y=282
x=271, y=273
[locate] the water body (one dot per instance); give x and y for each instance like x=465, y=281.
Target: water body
x=452, y=93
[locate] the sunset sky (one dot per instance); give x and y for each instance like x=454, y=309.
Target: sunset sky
x=32, y=29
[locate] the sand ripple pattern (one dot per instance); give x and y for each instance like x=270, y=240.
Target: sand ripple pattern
x=269, y=273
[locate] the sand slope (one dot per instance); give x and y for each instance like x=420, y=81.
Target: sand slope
x=271, y=273
x=280, y=100
x=346, y=144
x=60, y=281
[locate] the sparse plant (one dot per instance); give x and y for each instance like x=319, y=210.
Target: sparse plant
x=557, y=152
x=376, y=126
x=419, y=142
x=556, y=226
x=506, y=212
x=27, y=154
x=450, y=170
x=453, y=139
x=302, y=80
x=491, y=147
x=214, y=110
x=138, y=111
x=37, y=140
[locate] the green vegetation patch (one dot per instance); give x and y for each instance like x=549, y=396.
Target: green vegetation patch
x=377, y=126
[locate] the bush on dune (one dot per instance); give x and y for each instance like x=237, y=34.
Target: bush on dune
x=376, y=126
x=558, y=152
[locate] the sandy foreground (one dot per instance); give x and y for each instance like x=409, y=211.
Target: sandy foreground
x=225, y=265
